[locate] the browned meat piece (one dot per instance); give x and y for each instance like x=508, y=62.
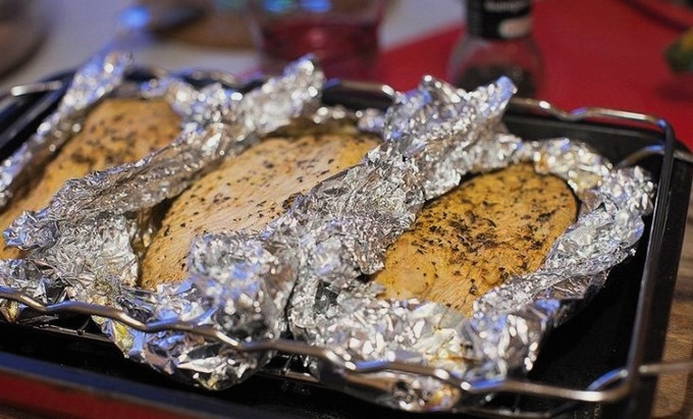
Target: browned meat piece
x=115, y=132
x=247, y=192
x=468, y=241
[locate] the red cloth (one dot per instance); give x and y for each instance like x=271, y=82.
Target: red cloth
x=596, y=53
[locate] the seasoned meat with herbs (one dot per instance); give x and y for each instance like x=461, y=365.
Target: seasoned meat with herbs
x=247, y=192
x=466, y=242
x=116, y=131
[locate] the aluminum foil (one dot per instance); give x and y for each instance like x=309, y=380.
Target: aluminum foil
x=90, y=84
x=310, y=262
x=101, y=77
x=504, y=334
x=434, y=136
x=84, y=243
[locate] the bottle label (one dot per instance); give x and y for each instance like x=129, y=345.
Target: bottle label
x=499, y=19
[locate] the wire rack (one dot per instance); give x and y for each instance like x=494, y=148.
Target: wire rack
x=611, y=386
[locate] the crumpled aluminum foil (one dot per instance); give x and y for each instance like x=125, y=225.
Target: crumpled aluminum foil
x=102, y=76
x=331, y=308
x=241, y=282
x=99, y=77
x=82, y=244
x=504, y=333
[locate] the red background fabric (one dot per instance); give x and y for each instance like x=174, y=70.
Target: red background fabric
x=596, y=53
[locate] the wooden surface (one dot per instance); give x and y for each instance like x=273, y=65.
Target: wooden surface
x=674, y=398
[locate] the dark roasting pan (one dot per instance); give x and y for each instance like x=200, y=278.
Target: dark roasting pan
x=609, y=351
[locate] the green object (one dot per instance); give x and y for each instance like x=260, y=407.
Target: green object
x=679, y=55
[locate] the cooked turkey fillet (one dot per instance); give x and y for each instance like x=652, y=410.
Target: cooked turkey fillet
x=247, y=192
x=116, y=131
x=466, y=242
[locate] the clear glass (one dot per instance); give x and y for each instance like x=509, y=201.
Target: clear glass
x=343, y=34
x=477, y=61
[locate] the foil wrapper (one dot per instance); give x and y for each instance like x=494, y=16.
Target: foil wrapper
x=340, y=232
x=304, y=272
x=85, y=243
x=503, y=336
x=99, y=77
x=102, y=76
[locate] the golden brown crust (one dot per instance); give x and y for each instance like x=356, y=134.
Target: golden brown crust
x=247, y=192
x=115, y=132
x=468, y=241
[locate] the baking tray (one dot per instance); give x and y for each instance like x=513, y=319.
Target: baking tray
x=598, y=364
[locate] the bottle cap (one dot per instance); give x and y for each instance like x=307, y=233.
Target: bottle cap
x=499, y=19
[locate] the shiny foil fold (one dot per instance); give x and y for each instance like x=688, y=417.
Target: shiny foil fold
x=102, y=76
x=304, y=273
x=85, y=242
x=504, y=334
x=96, y=79
x=433, y=136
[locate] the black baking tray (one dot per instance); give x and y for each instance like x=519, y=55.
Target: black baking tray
x=590, y=344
